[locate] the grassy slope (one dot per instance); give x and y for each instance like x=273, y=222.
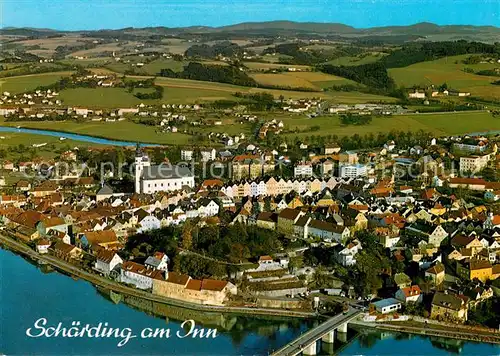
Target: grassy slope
x=440, y=124
x=449, y=70
x=25, y=83
x=182, y=91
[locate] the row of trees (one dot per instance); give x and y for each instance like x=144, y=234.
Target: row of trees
x=211, y=73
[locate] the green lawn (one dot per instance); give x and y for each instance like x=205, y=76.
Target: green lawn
x=440, y=124
x=449, y=70
x=25, y=83
x=123, y=130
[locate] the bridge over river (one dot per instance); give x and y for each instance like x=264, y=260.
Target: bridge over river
x=306, y=343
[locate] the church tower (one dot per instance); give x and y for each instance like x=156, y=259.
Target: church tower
x=141, y=161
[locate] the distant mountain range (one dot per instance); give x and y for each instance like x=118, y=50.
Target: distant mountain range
x=290, y=28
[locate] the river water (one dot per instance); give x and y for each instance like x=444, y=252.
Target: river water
x=71, y=136
x=28, y=293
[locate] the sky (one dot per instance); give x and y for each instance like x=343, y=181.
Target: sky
x=112, y=14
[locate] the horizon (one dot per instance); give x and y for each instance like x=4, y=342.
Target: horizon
x=243, y=23
x=80, y=15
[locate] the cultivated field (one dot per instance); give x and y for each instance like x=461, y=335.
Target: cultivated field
x=265, y=66
x=450, y=71
x=297, y=80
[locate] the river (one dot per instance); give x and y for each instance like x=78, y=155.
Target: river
x=29, y=292
x=72, y=136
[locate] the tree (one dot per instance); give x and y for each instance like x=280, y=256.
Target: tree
x=187, y=237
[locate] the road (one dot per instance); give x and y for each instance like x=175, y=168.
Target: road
x=459, y=332
x=296, y=346
x=120, y=288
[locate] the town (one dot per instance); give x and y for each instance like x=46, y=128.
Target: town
x=353, y=179
x=417, y=229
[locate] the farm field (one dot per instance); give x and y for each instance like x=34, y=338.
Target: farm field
x=123, y=130
x=184, y=91
x=29, y=82
x=310, y=80
x=356, y=60
x=265, y=66
x=450, y=71
x=228, y=89
x=440, y=124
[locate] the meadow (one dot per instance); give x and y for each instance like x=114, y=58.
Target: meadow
x=356, y=60
x=449, y=70
x=439, y=124
x=29, y=82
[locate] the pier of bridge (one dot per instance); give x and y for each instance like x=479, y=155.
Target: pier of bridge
x=326, y=332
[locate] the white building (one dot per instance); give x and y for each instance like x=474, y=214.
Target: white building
x=187, y=154
x=149, y=222
x=303, y=169
x=138, y=275
x=161, y=178
x=158, y=261
x=208, y=154
x=416, y=95
x=106, y=261
x=473, y=164
x=411, y=294
x=352, y=171
x=386, y=306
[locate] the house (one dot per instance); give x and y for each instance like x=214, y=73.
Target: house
x=331, y=149
x=352, y=170
x=138, y=275
x=417, y=94
x=460, y=241
x=473, y=164
x=402, y=280
x=147, y=223
x=48, y=224
x=106, y=261
x=187, y=154
x=42, y=246
x=267, y=220
x=475, y=268
x=286, y=220
x=208, y=154
x=346, y=255
x=449, y=307
x=434, y=234
x=327, y=231
x=386, y=306
x=66, y=251
x=411, y=294
x=303, y=169
x=435, y=274
x=158, y=261
x=103, y=238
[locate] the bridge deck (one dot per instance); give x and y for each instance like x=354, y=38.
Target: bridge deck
x=296, y=346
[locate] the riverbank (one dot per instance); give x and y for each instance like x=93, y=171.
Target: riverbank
x=97, y=280
x=95, y=139
x=458, y=332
